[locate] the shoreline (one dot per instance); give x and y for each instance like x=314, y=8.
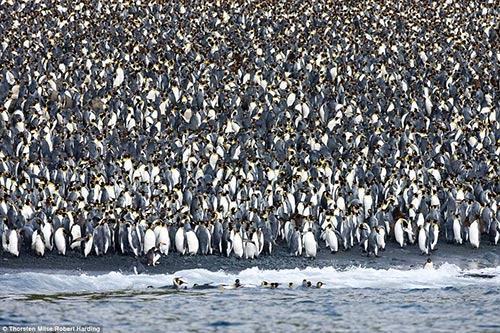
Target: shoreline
x=393, y=257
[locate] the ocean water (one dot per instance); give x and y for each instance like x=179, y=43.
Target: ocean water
x=354, y=299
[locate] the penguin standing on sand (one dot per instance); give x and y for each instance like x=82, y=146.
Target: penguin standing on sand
x=38, y=244
x=192, y=242
x=423, y=240
x=474, y=233
x=226, y=242
x=48, y=231
x=372, y=243
x=310, y=244
x=237, y=243
x=13, y=242
x=331, y=239
x=494, y=232
x=295, y=243
x=250, y=250
x=216, y=237
x=60, y=240
x=153, y=257
x=180, y=240
x=204, y=239
x=163, y=240
x=87, y=244
x=149, y=239
x=75, y=233
x=457, y=230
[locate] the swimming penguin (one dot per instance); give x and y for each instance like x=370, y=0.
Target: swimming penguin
x=192, y=242
x=153, y=256
x=179, y=283
x=149, y=240
x=310, y=245
x=163, y=240
x=60, y=240
x=428, y=264
x=235, y=285
x=274, y=285
x=265, y=284
x=180, y=242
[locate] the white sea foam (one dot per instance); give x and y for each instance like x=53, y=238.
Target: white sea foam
x=447, y=275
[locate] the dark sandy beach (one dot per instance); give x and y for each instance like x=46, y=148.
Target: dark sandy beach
x=392, y=257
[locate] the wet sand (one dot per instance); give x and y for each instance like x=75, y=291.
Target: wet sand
x=393, y=257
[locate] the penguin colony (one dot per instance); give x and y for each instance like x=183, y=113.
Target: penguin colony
x=233, y=127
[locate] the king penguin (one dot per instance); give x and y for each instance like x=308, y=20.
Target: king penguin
x=310, y=245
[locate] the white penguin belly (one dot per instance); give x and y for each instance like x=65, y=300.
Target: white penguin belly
x=47, y=234
x=422, y=240
x=88, y=247
x=60, y=241
x=457, y=232
x=398, y=234
x=332, y=241
x=474, y=234
x=238, y=245
x=310, y=245
x=13, y=243
x=250, y=250
x=38, y=245
x=192, y=242
x=163, y=241
x=149, y=240
x=75, y=234
x=179, y=241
